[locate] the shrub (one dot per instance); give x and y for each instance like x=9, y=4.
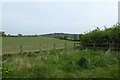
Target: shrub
x=83, y=62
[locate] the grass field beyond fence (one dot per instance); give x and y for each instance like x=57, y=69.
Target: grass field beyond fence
x=12, y=44
x=55, y=63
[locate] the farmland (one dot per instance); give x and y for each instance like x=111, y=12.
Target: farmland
x=59, y=39
x=61, y=63
x=45, y=57
x=11, y=44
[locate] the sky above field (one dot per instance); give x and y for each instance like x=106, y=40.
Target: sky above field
x=60, y=17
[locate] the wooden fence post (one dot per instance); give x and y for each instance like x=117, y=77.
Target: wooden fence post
x=21, y=50
x=74, y=45
x=40, y=46
x=79, y=46
x=94, y=45
x=113, y=45
x=54, y=46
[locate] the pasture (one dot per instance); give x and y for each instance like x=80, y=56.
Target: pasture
x=55, y=63
x=12, y=44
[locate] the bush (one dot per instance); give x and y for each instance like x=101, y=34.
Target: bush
x=83, y=62
x=107, y=35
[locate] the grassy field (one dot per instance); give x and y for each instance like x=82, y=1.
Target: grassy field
x=11, y=44
x=62, y=64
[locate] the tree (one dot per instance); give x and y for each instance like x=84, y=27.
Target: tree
x=2, y=34
x=65, y=37
x=8, y=35
x=20, y=35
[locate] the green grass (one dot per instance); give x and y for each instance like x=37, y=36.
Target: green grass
x=11, y=44
x=61, y=64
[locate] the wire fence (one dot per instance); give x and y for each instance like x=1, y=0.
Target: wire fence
x=37, y=48
x=104, y=46
x=41, y=47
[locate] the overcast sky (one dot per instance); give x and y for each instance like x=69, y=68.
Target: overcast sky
x=50, y=17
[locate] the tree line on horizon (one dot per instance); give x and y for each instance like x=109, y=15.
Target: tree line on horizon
x=63, y=36
x=107, y=35
x=3, y=34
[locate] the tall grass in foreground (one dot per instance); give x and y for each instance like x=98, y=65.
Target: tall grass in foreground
x=62, y=64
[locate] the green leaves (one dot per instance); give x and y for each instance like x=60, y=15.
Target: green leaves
x=83, y=62
x=102, y=36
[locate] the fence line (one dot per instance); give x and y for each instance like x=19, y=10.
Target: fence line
x=39, y=48
x=106, y=46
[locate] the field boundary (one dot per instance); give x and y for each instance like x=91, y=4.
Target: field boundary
x=25, y=49
x=105, y=46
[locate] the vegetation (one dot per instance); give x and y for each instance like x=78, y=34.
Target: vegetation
x=64, y=36
x=2, y=33
x=61, y=64
x=11, y=44
x=102, y=36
